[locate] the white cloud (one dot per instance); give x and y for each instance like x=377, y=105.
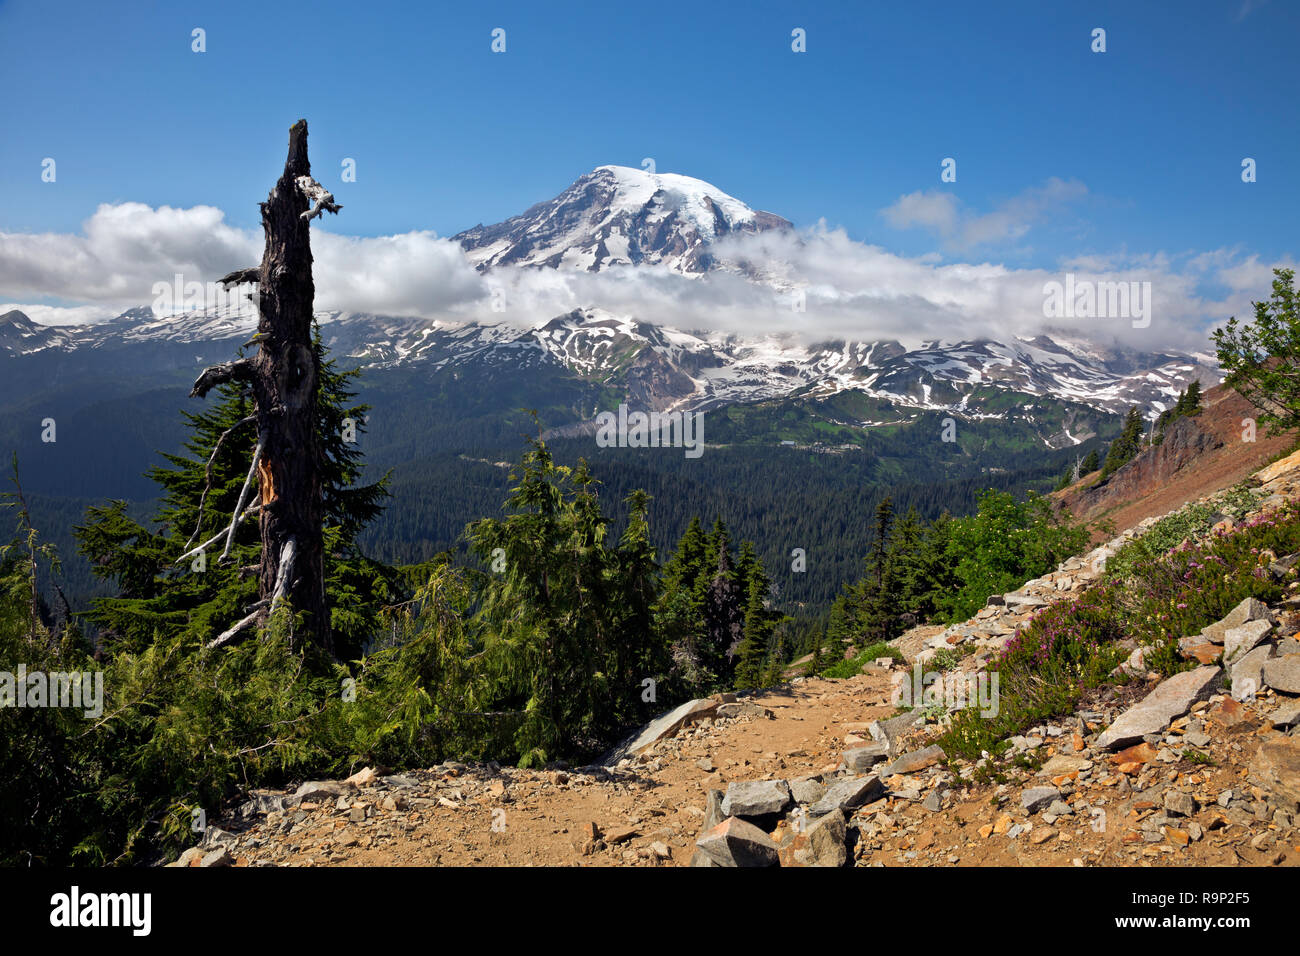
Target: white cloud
x=943, y=215
x=852, y=290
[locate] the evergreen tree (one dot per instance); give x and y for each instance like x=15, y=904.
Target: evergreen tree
x=759, y=624
x=724, y=616
x=1126, y=447
x=187, y=573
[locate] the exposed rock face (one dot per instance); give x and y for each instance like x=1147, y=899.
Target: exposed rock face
x=1185, y=442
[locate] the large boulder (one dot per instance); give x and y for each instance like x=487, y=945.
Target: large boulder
x=1275, y=769
x=1240, y=640
x=1248, y=672
x=1172, y=698
x=755, y=798
x=1250, y=609
x=1283, y=673
x=734, y=842
x=824, y=842
x=663, y=727
x=848, y=793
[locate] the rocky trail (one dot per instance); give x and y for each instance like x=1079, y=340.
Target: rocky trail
x=1198, y=769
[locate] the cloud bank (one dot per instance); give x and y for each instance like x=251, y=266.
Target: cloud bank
x=816, y=283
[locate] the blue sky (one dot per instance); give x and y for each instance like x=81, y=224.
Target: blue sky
x=1061, y=152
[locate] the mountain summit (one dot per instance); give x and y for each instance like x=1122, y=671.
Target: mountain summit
x=616, y=215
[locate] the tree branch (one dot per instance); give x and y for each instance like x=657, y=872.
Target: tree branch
x=314, y=191
x=216, y=537
x=229, y=634
x=207, y=473
x=239, y=505
x=284, y=572
x=241, y=276
x=241, y=370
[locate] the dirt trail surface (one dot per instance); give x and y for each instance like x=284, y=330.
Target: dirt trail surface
x=1160, y=771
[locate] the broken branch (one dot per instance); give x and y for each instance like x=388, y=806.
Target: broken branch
x=215, y=538
x=241, y=276
x=284, y=572
x=227, y=635
x=207, y=473
x=322, y=198
x=240, y=369
x=239, y=505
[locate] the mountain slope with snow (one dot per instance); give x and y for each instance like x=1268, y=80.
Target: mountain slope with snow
x=616, y=215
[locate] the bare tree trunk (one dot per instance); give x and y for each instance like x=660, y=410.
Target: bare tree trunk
x=284, y=377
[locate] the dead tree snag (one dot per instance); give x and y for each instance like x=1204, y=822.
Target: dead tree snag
x=284, y=377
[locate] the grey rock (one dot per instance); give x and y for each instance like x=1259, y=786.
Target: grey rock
x=745, y=708
x=1248, y=610
x=755, y=798
x=822, y=843
x=215, y=836
x=713, y=814
x=892, y=729
x=737, y=843
x=1275, y=768
x=1245, y=637
x=1286, y=716
x=1172, y=698
x=661, y=728
x=862, y=759
x=317, y=791
x=1179, y=803
x=1036, y=798
x=1283, y=673
x=934, y=802
x=806, y=789
x=914, y=761
x=1248, y=672
x=848, y=793
x=1064, y=763
x=218, y=857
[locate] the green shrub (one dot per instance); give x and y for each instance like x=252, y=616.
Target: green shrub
x=1073, y=645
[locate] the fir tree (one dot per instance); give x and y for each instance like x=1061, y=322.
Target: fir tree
x=1126, y=447
x=190, y=572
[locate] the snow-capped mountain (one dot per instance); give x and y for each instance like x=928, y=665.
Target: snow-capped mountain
x=667, y=368
x=616, y=215
x=619, y=217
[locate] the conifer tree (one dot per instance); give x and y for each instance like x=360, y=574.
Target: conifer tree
x=760, y=621
x=190, y=570
x=1126, y=447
